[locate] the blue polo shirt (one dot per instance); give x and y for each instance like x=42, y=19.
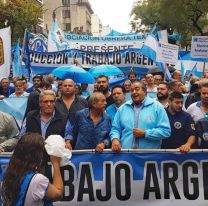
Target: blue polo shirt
x=182, y=127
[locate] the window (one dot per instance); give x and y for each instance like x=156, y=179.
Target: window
x=66, y=13
x=65, y=2
x=68, y=27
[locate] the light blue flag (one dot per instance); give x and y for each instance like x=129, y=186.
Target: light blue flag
x=14, y=106
x=17, y=69
x=150, y=47
x=57, y=36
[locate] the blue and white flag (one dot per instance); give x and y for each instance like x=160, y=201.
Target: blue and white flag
x=17, y=68
x=150, y=48
x=56, y=38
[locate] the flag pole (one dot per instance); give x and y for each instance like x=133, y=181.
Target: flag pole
x=204, y=65
x=165, y=72
x=23, y=49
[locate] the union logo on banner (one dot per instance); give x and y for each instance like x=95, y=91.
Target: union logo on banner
x=1, y=52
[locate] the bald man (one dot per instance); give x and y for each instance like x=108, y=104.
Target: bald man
x=177, y=75
x=69, y=103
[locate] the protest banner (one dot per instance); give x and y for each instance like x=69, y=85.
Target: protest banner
x=199, y=47
x=5, y=52
x=133, y=177
x=167, y=53
x=44, y=63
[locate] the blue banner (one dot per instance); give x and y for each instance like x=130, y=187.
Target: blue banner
x=133, y=178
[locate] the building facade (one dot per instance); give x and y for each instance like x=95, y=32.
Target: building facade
x=96, y=27
x=72, y=15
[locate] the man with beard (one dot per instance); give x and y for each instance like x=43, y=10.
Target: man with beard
x=92, y=126
x=199, y=109
x=182, y=125
x=103, y=87
x=36, y=83
x=162, y=93
x=118, y=93
x=140, y=123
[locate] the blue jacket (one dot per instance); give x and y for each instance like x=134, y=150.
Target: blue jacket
x=111, y=111
x=152, y=118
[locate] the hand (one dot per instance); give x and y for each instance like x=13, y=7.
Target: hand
x=55, y=160
x=185, y=148
x=68, y=144
x=138, y=132
x=116, y=145
x=100, y=147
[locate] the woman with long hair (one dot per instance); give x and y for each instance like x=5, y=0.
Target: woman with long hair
x=24, y=184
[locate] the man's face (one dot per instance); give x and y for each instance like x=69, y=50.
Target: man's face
x=132, y=77
x=36, y=82
x=47, y=104
x=137, y=93
x=162, y=91
x=5, y=84
x=157, y=79
x=101, y=104
x=177, y=76
x=118, y=96
x=150, y=79
x=127, y=86
x=176, y=104
x=19, y=88
x=204, y=94
x=102, y=85
x=68, y=87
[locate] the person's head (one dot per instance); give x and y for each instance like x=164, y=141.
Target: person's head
x=205, y=75
x=19, y=87
x=84, y=87
x=24, y=82
x=36, y=81
x=78, y=89
x=143, y=81
x=149, y=79
x=118, y=94
x=47, y=102
x=27, y=157
x=132, y=77
x=127, y=85
x=138, y=92
x=45, y=85
x=158, y=79
x=175, y=102
x=177, y=75
x=194, y=79
x=162, y=91
x=67, y=87
x=97, y=102
x=5, y=83
x=175, y=86
x=102, y=84
x=14, y=79
x=203, y=85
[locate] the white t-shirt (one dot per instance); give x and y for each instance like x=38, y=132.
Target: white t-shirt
x=37, y=190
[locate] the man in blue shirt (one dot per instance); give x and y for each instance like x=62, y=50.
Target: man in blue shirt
x=92, y=126
x=182, y=125
x=7, y=89
x=118, y=94
x=140, y=123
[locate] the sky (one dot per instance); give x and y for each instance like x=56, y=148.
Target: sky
x=115, y=13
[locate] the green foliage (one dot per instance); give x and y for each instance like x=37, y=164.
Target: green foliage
x=19, y=15
x=187, y=17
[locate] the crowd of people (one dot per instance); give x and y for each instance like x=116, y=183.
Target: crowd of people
x=148, y=113
x=140, y=114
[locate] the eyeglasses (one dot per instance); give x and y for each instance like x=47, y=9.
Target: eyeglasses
x=48, y=101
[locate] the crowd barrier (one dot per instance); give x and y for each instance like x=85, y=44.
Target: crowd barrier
x=133, y=177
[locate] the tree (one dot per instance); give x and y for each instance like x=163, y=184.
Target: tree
x=19, y=15
x=187, y=17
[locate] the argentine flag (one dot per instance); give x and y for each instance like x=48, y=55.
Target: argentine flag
x=150, y=48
